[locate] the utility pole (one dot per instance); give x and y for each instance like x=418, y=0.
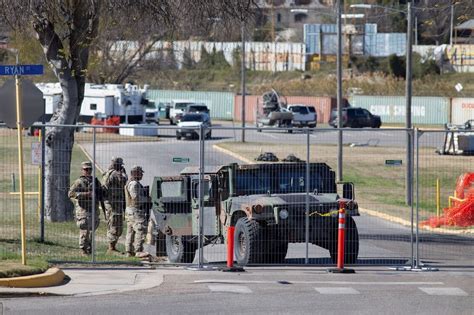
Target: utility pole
x=416, y=30
x=408, y=95
x=339, y=91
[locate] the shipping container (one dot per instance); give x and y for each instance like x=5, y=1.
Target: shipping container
x=220, y=104
x=251, y=102
x=323, y=106
x=462, y=110
x=392, y=109
x=364, y=39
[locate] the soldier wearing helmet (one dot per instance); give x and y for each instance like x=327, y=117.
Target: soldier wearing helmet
x=136, y=198
x=82, y=193
x=114, y=182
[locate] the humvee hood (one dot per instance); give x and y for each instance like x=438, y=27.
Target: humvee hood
x=284, y=199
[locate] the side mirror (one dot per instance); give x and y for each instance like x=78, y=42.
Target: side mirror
x=348, y=191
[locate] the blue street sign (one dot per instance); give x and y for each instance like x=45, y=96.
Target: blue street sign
x=21, y=69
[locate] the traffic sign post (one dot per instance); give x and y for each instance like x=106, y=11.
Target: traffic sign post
x=18, y=70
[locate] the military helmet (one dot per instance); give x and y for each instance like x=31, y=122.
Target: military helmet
x=292, y=158
x=86, y=164
x=117, y=160
x=136, y=169
x=267, y=157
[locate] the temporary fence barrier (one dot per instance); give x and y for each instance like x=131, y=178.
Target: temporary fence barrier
x=282, y=212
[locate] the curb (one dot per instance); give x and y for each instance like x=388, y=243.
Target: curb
x=407, y=223
x=51, y=277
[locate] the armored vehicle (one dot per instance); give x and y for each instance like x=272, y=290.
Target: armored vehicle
x=265, y=202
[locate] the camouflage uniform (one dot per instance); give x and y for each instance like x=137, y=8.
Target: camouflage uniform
x=136, y=200
x=81, y=193
x=114, y=182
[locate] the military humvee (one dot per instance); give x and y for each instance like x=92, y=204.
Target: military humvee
x=266, y=202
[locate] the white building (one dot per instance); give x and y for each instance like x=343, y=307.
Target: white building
x=127, y=101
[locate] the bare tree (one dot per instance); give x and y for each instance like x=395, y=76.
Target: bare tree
x=434, y=18
x=68, y=30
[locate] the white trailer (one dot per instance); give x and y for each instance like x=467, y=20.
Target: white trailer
x=107, y=100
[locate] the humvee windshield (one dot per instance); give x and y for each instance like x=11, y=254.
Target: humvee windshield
x=173, y=189
x=261, y=181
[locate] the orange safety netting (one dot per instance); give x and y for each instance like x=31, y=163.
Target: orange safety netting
x=461, y=213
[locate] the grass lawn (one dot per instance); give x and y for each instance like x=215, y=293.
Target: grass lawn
x=61, y=239
x=10, y=266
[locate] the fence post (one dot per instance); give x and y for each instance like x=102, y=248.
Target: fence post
x=417, y=158
x=43, y=160
x=306, y=260
x=415, y=218
x=438, y=200
x=412, y=213
x=201, y=197
x=93, y=194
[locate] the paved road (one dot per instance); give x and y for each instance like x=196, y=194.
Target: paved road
x=276, y=291
x=365, y=136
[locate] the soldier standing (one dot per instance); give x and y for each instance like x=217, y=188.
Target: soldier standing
x=82, y=193
x=114, y=182
x=136, y=201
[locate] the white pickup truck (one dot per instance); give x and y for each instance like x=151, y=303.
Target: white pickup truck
x=177, y=110
x=303, y=115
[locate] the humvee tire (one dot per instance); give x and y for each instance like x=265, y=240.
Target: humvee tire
x=351, y=245
x=179, y=249
x=248, y=242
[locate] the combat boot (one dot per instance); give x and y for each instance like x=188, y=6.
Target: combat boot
x=130, y=254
